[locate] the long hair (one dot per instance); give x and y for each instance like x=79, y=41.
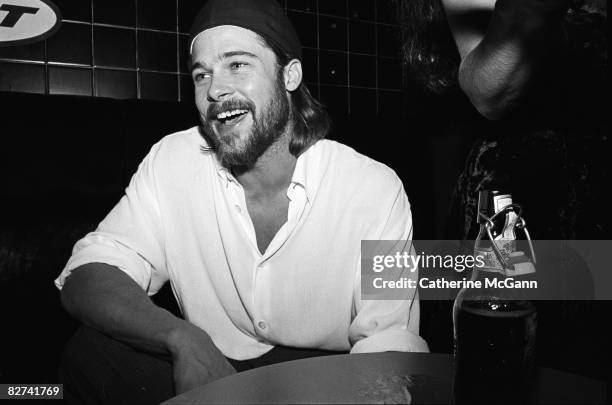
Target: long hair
x=311, y=121
x=428, y=49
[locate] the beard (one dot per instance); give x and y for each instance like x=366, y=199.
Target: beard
x=268, y=126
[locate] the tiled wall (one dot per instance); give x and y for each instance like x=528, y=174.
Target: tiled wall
x=129, y=49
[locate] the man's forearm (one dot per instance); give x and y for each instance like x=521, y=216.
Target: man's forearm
x=520, y=38
x=108, y=300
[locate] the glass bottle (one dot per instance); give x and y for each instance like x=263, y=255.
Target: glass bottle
x=494, y=327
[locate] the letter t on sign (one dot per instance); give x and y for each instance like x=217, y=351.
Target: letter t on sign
x=14, y=14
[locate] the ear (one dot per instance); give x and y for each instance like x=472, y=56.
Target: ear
x=292, y=74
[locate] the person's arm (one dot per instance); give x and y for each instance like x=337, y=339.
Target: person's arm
x=107, y=299
x=388, y=320
x=502, y=45
x=111, y=272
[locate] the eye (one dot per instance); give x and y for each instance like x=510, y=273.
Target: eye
x=237, y=65
x=200, y=76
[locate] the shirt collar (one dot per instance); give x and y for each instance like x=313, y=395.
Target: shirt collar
x=299, y=178
x=225, y=175
x=308, y=171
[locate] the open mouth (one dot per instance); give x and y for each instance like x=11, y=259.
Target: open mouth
x=231, y=117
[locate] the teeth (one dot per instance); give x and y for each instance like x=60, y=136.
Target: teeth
x=228, y=114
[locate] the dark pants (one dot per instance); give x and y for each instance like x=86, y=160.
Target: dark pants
x=96, y=369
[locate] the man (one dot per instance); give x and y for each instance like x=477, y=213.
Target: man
x=254, y=220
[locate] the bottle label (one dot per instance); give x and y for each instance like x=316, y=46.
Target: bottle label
x=489, y=258
x=520, y=263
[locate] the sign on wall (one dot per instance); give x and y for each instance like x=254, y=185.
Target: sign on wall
x=27, y=21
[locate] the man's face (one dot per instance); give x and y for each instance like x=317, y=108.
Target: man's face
x=241, y=97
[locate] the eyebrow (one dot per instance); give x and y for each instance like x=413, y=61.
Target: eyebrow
x=238, y=53
x=230, y=54
x=196, y=65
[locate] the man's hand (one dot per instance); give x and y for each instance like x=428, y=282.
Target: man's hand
x=196, y=360
x=108, y=300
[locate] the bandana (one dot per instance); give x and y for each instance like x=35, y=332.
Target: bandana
x=264, y=17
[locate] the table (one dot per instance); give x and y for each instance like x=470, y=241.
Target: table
x=370, y=378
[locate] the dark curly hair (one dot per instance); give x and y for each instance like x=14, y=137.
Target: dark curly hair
x=428, y=49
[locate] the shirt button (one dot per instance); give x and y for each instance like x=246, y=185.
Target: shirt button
x=238, y=209
x=262, y=325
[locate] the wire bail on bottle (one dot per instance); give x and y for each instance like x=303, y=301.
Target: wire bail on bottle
x=520, y=224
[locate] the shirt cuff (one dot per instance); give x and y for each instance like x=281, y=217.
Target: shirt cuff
x=94, y=249
x=398, y=340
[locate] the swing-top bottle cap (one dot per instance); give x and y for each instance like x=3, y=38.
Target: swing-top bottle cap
x=491, y=202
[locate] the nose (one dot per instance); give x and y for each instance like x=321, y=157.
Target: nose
x=219, y=88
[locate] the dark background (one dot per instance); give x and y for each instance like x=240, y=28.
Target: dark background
x=137, y=50
x=82, y=108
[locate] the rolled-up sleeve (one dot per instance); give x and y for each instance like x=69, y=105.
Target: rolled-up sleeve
x=389, y=325
x=130, y=237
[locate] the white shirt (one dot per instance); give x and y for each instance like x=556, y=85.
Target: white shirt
x=184, y=219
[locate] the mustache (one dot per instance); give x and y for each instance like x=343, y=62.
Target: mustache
x=228, y=105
